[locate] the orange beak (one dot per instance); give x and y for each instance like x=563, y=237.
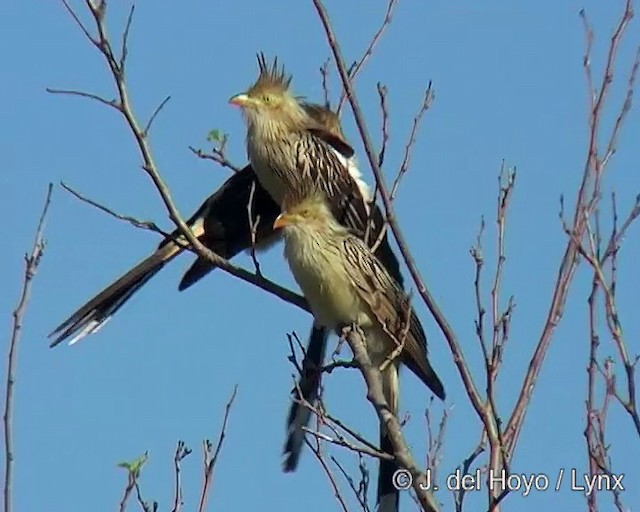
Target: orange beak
x=281, y=221
x=240, y=100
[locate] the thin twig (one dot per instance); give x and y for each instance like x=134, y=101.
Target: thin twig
x=409, y=146
x=253, y=225
x=360, y=492
x=324, y=72
x=124, y=51
x=217, y=155
x=82, y=94
x=435, y=439
x=182, y=451
x=134, y=469
x=382, y=94
x=478, y=258
x=459, y=494
x=141, y=224
x=127, y=492
x=210, y=461
x=327, y=470
x=498, y=455
x=144, y=506
x=154, y=115
x=31, y=263
x=344, y=443
x=357, y=67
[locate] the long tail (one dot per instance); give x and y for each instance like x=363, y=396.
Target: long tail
x=306, y=390
x=95, y=313
x=221, y=223
x=387, y=495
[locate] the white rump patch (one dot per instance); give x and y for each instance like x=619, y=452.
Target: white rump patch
x=352, y=167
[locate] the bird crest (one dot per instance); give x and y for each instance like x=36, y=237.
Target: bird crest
x=272, y=78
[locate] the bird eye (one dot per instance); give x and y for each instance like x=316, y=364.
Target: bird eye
x=267, y=98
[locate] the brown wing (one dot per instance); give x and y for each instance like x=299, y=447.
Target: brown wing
x=327, y=119
x=334, y=140
x=388, y=304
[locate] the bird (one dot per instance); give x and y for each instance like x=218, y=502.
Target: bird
x=294, y=156
x=290, y=151
x=346, y=284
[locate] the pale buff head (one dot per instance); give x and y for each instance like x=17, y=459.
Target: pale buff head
x=269, y=100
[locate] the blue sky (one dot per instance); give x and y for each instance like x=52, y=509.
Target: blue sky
x=509, y=85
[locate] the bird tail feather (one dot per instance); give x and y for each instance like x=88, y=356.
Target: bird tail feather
x=96, y=312
x=306, y=390
x=387, y=495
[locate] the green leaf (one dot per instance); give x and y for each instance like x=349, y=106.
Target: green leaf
x=216, y=135
x=135, y=466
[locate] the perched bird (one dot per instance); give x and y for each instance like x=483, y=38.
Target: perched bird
x=346, y=284
x=293, y=156
x=290, y=150
x=293, y=152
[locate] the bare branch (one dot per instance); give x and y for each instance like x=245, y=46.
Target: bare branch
x=375, y=395
x=124, y=52
x=586, y=202
x=341, y=441
x=324, y=72
x=435, y=438
x=253, y=225
x=363, y=485
x=154, y=115
x=217, y=155
x=31, y=263
x=355, y=69
x=79, y=23
x=141, y=224
x=134, y=469
x=181, y=452
x=618, y=234
x=316, y=450
x=82, y=94
x=408, y=148
x=478, y=258
x=443, y=324
x=458, y=495
x=382, y=93
x=210, y=461
x=256, y=279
